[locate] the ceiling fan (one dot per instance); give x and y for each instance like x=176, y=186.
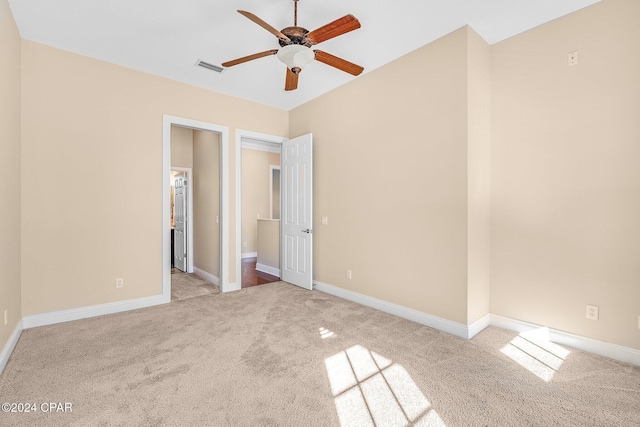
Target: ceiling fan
x=296, y=42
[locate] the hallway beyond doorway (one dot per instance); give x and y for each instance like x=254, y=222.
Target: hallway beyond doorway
x=253, y=277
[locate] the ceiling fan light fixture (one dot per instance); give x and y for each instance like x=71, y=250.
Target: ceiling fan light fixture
x=295, y=56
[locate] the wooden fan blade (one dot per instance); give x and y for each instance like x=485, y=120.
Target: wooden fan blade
x=264, y=25
x=291, y=82
x=334, y=29
x=249, y=58
x=339, y=63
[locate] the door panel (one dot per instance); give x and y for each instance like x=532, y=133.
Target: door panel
x=297, y=211
x=180, y=222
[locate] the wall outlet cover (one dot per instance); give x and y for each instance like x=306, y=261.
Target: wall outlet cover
x=592, y=312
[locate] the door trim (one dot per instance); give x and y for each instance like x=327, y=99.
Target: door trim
x=189, y=172
x=255, y=138
x=223, y=132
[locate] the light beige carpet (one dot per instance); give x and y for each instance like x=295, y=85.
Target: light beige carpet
x=188, y=285
x=278, y=355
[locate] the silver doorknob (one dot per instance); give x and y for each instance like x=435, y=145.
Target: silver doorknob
x=308, y=231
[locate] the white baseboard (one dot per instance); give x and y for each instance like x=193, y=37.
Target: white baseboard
x=476, y=327
x=268, y=269
x=9, y=346
x=590, y=345
x=91, y=311
x=249, y=255
x=206, y=276
x=435, y=322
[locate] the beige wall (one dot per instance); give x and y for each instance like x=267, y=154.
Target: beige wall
x=9, y=173
x=255, y=193
x=390, y=173
x=82, y=224
x=181, y=147
x=566, y=174
x=206, y=201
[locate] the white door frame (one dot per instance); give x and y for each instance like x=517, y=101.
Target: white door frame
x=223, y=132
x=189, y=173
x=255, y=138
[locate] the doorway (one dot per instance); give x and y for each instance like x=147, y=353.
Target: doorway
x=195, y=164
x=258, y=222
x=218, y=257
x=260, y=228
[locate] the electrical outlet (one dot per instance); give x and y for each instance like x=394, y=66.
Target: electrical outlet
x=120, y=283
x=244, y=244
x=572, y=58
x=325, y=220
x=348, y=274
x=592, y=312
x=6, y=316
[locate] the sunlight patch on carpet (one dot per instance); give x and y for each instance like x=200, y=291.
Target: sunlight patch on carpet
x=325, y=333
x=371, y=390
x=533, y=351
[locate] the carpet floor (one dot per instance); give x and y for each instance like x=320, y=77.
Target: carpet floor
x=277, y=355
x=188, y=285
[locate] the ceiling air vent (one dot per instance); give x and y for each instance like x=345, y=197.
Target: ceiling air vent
x=216, y=68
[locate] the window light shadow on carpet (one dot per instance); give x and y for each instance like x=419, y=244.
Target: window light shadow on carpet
x=533, y=351
x=371, y=390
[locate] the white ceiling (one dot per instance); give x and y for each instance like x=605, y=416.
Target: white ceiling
x=166, y=37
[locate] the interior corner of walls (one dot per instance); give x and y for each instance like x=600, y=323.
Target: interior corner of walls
x=8, y=347
x=473, y=34
x=479, y=325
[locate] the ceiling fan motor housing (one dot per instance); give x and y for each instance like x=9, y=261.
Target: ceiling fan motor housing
x=297, y=35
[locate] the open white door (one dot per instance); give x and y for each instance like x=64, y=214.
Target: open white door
x=180, y=222
x=296, y=217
